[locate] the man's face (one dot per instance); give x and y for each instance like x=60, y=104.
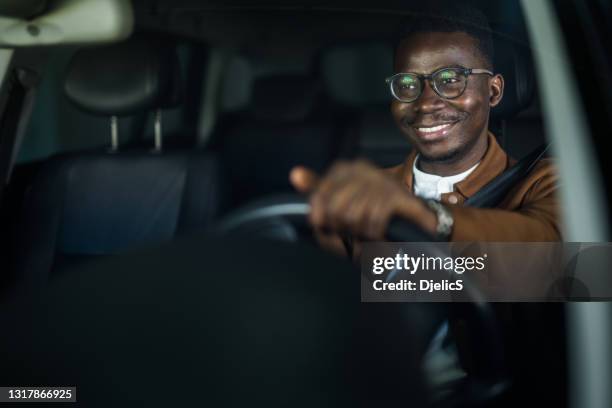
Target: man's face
x=467, y=115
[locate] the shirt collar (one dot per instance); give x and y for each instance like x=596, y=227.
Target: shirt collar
x=421, y=176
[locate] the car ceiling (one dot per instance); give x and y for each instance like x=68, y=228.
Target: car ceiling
x=22, y=8
x=282, y=25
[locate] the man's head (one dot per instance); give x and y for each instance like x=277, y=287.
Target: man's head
x=447, y=37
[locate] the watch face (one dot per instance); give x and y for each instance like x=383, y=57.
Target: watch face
x=445, y=219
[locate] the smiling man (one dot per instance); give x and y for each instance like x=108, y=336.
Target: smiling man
x=443, y=89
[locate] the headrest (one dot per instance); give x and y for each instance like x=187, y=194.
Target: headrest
x=514, y=63
x=284, y=98
x=124, y=78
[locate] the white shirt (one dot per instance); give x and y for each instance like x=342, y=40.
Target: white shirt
x=440, y=363
x=432, y=186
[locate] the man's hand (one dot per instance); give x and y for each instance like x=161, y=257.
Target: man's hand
x=358, y=197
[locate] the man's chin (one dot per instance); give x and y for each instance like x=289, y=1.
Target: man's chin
x=435, y=155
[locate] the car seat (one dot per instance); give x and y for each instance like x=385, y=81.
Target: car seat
x=98, y=203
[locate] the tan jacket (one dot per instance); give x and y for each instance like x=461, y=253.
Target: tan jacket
x=530, y=211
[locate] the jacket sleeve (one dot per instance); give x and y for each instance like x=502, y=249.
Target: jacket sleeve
x=530, y=214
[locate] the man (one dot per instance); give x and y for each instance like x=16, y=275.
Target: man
x=443, y=91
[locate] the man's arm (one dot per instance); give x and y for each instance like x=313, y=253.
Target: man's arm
x=358, y=198
x=361, y=199
x=536, y=217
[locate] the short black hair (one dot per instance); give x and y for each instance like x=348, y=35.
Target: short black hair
x=449, y=17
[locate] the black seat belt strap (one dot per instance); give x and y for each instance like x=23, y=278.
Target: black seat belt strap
x=494, y=192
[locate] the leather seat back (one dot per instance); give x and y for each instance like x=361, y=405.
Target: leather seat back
x=99, y=203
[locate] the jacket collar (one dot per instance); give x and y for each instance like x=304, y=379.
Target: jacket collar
x=494, y=162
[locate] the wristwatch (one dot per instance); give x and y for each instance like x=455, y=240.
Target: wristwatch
x=445, y=223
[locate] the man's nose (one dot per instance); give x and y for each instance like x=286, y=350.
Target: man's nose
x=429, y=101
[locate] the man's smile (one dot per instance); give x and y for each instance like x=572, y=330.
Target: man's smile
x=433, y=132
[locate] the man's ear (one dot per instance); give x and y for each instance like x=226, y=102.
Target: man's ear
x=496, y=90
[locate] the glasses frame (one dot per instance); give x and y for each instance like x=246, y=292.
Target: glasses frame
x=429, y=77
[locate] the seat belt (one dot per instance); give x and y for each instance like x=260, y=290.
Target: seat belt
x=494, y=192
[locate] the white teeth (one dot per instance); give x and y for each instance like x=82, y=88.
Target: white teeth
x=433, y=129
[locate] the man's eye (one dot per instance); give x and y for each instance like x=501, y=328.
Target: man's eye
x=448, y=77
x=449, y=80
x=407, y=84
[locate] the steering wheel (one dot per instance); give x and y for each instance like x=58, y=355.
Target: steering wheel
x=284, y=216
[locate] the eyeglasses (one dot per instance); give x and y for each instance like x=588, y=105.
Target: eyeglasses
x=449, y=83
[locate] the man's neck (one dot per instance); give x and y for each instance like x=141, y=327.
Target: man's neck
x=458, y=165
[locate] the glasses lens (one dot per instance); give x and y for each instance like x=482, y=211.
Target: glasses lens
x=450, y=83
x=406, y=87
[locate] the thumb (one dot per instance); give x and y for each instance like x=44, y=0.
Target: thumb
x=303, y=179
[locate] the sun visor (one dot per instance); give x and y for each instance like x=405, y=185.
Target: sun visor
x=70, y=22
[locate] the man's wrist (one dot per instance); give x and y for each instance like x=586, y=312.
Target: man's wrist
x=444, y=220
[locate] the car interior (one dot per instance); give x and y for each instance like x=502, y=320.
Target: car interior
x=277, y=105
x=205, y=108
